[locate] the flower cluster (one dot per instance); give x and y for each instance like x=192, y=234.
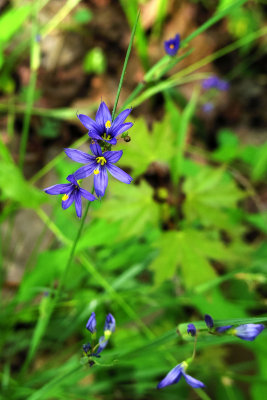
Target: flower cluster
x=103, y=133
x=247, y=332
x=213, y=82
x=92, y=349
x=172, y=45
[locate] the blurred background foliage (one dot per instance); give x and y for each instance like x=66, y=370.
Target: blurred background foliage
x=185, y=239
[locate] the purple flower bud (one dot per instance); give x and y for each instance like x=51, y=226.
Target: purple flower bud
x=248, y=331
x=91, y=324
x=172, y=45
x=207, y=107
x=110, y=323
x=209, y=321
x=222, y=329
x=191, y=329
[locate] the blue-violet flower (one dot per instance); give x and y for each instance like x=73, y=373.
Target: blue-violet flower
x=209, y=321
x=172, y=45
x=103, y=128
x=99, y=163
x=191, y=329
x=176, y=374
x=245, y=332
x=213, y=82
x=91, y=324
x=72, y=193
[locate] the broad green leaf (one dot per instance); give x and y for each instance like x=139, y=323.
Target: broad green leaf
x=13, y=184
x=11, y=21
x=192, y=251
x=210, y=196
x=258, y=220
x=228, y=148
x=148, y=147
x=132, y=205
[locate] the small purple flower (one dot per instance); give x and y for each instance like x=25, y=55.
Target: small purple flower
x=91, y=324
x=110, y=325
x=248, y=331
x=208, y=107
x=213, y=82
x=103, y=128
x=172, y=45
x=72, y=193
x=191, y=329
x=209, y=321
x=99, y=164
x=176, y=374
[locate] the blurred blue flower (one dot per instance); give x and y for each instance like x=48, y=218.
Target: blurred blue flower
x=103, y=128
x=172, y=45
x=245, y=332
x=176, y=374
x=98, y=164
x=91, y=324
x=72, y=193
x=208, y=107
x=109, y=328
x=209, y=321
x=191, y=329
x=213, y=82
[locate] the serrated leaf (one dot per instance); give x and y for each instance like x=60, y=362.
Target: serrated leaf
x=210, y=196
x=147, y=147
x=132, y=205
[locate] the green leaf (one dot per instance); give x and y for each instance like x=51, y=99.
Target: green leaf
x=132, y=205
x=11, y=21
x=13, y=185
x=95, y=61
x=192, y=251
x=228, y=149
x=148, y=147
x=83, y=16
x=210, y=196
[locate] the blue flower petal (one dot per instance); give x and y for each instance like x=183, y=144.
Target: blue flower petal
x=119, y=174
x=71, y=178
x=222, y=329
x=89, y=123
x=91, y=324
x=172, y=377
x=67, y=203
x=85, y=171
x=121, y=118
x=122, y=128
x=110, y=323
x=249, y=331
x=192, y=381
x=101, y=182
x=78, y=203
x=96, y=149
x=87, y=195
x=112, y=156
x=102, y=344
x=209, y=321
x=102, y=116
x=79, y=156
x=62, y=188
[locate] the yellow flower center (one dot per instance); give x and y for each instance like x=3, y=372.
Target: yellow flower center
x=108, y=124
x=65, y=197
x=101, y=160
x=106, y=137
x=171, y=46
x=96, y=171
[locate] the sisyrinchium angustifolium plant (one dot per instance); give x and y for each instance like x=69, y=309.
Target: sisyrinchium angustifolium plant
x=181, y=241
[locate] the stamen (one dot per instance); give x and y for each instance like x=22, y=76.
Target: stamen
x=106, y=137
x=101, y=160
x=96, y=171
x=171, y=46
x=65, y=197
x=108, y=124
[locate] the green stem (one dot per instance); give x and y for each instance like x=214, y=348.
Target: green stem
x=72, y=252
x=124, y=66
